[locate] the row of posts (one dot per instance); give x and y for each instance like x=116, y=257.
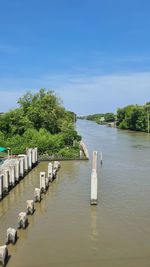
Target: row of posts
x=15, y=168
x=22, y=221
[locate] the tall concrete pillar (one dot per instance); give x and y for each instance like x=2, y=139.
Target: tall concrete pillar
x=5, y=181
x=21, y=167
x=17, y=170
x=36, y=154
x=12, y=175
x=94, y=180
x=94, y=166
x=29, y=153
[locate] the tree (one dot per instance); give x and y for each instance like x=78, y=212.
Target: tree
x=41, y=121
x=109, y=117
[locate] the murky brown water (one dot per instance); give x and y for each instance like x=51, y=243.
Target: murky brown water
x=65, y=230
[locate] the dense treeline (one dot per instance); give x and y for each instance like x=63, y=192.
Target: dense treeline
x=100, y=118
x=134, y=117
x=40, y=120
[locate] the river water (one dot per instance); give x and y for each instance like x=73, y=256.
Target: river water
x=65, y=230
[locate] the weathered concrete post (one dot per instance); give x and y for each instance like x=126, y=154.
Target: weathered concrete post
x=94, y=164
x=50, y=172
x=33, y=156
x=11, y=236
x=12, y=175
x=1, y=186
x=37, y=195
x=36, y=154
x=5, y=181
x=21, y=165
x=17, y=171
x=29, y=153
x=43, y=182
x=22, y=220
x=25, y=161
x=3, y=255
x=56, y=165
x=30, y=207
x=94, y=180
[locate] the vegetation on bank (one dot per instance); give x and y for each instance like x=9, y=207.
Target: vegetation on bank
x=131, y=117
x=100, y=118
x=134, y=117
x=42, y=121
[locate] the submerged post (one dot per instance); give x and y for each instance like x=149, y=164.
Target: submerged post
x=94, y=181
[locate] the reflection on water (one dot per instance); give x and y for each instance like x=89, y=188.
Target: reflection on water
x=65, y=230
x=94, y=230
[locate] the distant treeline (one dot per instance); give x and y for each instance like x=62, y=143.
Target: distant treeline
x=134, y=117
x=100, y=118
x=131, y=117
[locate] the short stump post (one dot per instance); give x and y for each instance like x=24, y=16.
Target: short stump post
x=30, y=207
x=22, y=220
x=3, y=255
x=11, y=236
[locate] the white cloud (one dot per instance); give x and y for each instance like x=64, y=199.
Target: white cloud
x=83, y=93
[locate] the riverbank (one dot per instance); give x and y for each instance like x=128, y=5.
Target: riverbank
x=79, y=152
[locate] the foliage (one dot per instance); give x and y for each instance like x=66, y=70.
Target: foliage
x=133, y=117
x=100, y=118
x=109, y=117
x=40, y=121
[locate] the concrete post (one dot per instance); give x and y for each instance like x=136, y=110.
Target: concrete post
x=25, y=161
x=5, y=181
x=50, y=171
x=17, y=170
x=29, y=153
x=3, y=255
x=30, y=207
x=22, y=220
x=37, y=195
x=94, y=167
x=94, y=180
x=43, y=181
x=94, y=187
x=36, y=154
x=33, y=156
x=12, y=175
x=21, y=165
x=11, y=236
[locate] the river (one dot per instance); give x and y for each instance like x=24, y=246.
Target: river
x=65, y=230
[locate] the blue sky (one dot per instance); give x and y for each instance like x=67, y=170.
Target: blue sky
x=94, y=53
